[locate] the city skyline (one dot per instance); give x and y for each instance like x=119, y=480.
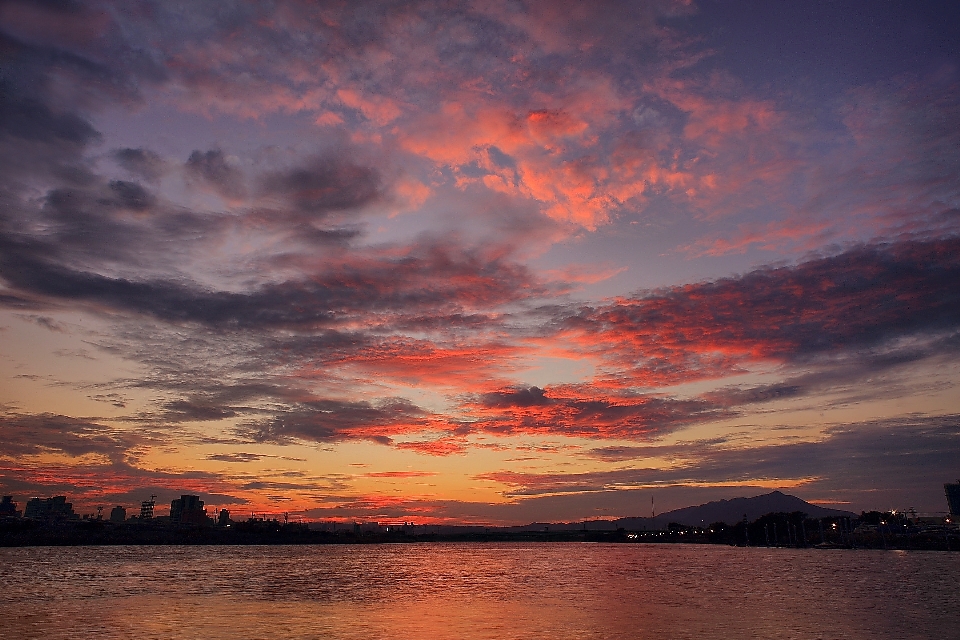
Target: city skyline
x=481, y=262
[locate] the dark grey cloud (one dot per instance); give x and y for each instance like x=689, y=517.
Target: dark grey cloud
x=37, y=72
x=324, y=185
x=48, y=323
x=33, y=121
x=18, y=302
x=86, y=226
x=34, y=434
x=245, y=456
x=39, y=141
x=212, y=168
x=236, y=457
x=141, y=162
x=423, y=281
x=332, y=420
x=132, y=196
x=196, y=409
x=521, y=397
x=54, y=80
x=96, y=230
x=735, y=396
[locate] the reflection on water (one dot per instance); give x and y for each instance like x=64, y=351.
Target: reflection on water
x=475, y=591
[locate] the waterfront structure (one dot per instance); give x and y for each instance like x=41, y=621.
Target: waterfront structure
x=953, y=497
x=8, y=508
x=188, y=509
x=146, y=508
x=55, y=508
x=118, y=514
x=224, y=518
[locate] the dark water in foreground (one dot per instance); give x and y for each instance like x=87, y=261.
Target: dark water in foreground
x=474, y=591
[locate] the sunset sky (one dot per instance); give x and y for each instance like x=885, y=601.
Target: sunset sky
x=489, y=262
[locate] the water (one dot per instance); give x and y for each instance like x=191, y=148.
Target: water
x=477, y=591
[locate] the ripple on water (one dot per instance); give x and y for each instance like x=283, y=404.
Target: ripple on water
x=476, y=591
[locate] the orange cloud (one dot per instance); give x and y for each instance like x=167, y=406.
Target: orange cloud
x=582, y=411
x=416, y=362
x=713, y=329
x=439, y=447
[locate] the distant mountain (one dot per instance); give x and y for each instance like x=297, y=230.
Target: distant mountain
x=729, y=511
x=732, y=511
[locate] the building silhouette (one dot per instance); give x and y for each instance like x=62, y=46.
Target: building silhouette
x=55, y=508
x=188, y=510
x=953, y=497
x=118, y=514
x=8, y=508
x=146, y=508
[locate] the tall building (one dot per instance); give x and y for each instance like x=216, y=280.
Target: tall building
x=953, y=497
x=118, y=514
x=8, y=508
x=55, y=508
x=146, y=508
x=188, y=510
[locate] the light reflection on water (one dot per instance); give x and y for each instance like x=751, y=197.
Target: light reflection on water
x=475, y=591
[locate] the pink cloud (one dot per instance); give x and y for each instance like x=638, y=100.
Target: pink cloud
x=380, y=109
x=772, y=236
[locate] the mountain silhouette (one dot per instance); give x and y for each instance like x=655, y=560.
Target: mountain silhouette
x=730, y=511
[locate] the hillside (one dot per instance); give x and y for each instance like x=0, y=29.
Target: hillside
x=733, y=511
x=730, y=511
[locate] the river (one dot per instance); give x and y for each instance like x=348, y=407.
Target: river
x=477, y=591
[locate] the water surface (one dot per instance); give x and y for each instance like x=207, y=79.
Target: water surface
x=477, y=591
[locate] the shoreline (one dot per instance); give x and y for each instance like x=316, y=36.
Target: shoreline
x=100, y=533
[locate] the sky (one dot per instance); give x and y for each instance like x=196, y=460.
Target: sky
x=479, y=262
